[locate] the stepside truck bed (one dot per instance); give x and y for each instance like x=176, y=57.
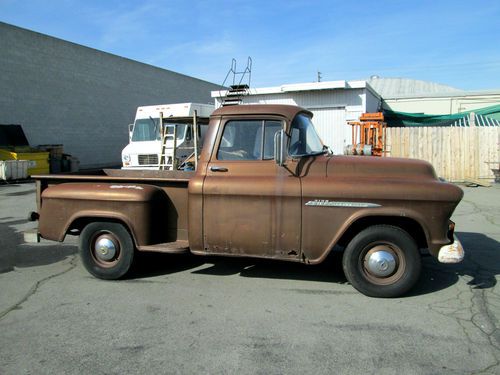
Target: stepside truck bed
x=153, y=205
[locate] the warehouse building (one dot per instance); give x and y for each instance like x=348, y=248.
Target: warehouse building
x=65, y=93
x=335, y=103
x=332, y=103
x=416, y=96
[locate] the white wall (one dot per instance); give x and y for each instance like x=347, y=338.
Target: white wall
x=373, y=102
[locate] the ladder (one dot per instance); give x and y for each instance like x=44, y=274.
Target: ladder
x=168, y=161
x=237, y=88
x=234, y=95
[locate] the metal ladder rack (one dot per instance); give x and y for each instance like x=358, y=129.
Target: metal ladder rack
x=237, y=88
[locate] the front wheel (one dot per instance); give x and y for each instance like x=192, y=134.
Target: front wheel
x=382, y=261
x=106, y=250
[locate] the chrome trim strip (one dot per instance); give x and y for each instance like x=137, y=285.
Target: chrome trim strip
x=327, y=203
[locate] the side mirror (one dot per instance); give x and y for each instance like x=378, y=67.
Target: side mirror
x=279, y=148
x=130, y=131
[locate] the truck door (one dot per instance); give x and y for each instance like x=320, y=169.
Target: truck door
x=251, y=206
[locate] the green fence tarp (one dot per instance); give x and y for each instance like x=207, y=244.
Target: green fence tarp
x=405, y=119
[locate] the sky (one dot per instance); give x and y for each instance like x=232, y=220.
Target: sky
x=452, y=42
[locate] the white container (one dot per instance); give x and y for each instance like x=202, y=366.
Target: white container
x=14, y=169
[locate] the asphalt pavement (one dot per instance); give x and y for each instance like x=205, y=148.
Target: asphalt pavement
x=190, y=315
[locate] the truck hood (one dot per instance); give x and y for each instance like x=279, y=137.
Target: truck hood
x=379, y=168
x=388, y=178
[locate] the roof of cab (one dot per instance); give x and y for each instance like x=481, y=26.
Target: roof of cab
x=288, y=111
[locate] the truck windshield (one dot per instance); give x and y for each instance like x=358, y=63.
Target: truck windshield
x=147, y=129
x=303, y=138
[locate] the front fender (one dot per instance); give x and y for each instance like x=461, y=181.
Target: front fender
x=335, y=222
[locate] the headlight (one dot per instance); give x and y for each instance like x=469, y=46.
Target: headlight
x=126, y=158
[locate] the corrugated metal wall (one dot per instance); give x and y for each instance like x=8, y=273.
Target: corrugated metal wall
x=331, y=108
x=332, y=127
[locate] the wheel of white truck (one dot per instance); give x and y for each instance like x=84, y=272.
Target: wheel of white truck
x=106, y=250
x=382, y=261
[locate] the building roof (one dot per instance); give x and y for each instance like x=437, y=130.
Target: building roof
x=405, y=87
x=310, y=86
x=386, y=88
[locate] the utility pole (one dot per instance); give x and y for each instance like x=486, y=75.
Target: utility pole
x=319, y=76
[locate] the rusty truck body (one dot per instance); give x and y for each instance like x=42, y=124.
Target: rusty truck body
x=266, y=187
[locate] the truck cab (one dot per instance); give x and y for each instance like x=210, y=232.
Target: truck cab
x=147, y=146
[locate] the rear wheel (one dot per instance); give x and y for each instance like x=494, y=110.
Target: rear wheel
x=106, y=250
x=382, y=261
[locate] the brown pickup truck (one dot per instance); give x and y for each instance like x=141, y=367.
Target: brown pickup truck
x=265, y=186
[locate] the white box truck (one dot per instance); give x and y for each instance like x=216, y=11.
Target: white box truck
x=158, y=130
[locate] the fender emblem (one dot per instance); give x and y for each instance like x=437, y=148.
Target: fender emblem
x=327, y=203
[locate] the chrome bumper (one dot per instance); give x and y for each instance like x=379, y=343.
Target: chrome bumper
x=452, y=253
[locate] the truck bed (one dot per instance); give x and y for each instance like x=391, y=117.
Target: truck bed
x=171, y=223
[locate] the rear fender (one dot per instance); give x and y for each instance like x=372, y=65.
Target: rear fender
x=142, y=208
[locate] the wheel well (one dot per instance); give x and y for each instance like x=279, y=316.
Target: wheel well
x=76, y=227
x=412, y=227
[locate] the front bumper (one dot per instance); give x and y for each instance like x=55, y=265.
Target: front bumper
x=452, y=253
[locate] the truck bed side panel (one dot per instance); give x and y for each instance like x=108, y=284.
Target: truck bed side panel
x=153, y=214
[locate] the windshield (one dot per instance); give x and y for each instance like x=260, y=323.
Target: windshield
x=303, y=138
x=147, y=129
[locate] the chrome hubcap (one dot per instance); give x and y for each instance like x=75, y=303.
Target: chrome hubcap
x=380, y=263
x=105, y=249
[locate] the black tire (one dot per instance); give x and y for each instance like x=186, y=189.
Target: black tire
x=402, y=251
x=108, y=263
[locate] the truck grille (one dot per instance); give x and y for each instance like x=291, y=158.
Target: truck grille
x=148, y=159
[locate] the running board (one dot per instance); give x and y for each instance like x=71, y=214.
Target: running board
x=175, y=247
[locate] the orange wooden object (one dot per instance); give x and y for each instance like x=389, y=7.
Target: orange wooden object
x=372, y=132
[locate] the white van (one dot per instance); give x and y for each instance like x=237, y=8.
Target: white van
x=145, y=135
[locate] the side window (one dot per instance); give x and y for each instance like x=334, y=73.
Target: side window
x=248, y=140
x=238, y=140
x=271, y=128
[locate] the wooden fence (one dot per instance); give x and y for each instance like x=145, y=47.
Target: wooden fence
x=457, y=153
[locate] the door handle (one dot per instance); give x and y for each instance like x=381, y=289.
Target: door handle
x=218, y=169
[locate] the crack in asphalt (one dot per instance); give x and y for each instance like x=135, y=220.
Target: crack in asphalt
x=480, y=211
x=486, y=322
x=475, y=209
x=34, y=288
x=481, y=318
x=475, y=312
x=481, y=300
